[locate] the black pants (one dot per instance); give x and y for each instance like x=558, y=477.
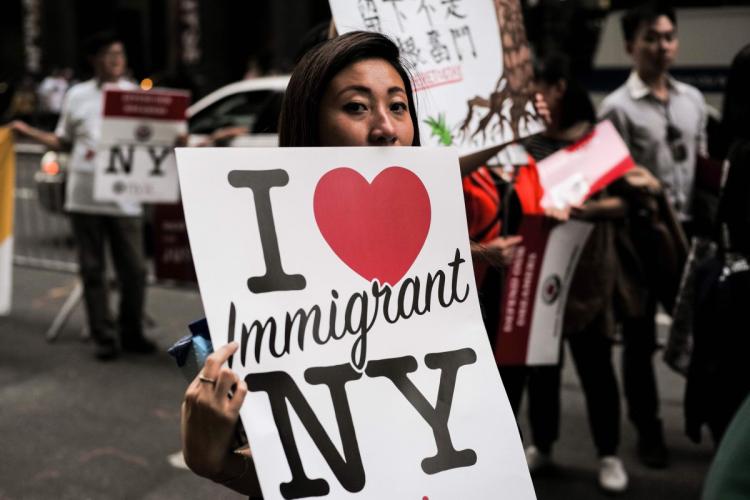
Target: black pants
x=639, y=378
x=592, y=357
x=124, y=235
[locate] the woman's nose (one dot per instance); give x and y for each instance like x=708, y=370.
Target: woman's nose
x=383, y=130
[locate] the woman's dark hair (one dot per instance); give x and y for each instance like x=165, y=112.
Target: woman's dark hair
x=298, y=124
x=736, y=111
x=645, y=13
x=576, y=105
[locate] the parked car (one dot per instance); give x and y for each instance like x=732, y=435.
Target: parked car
x=253, y=105
x=250, y=104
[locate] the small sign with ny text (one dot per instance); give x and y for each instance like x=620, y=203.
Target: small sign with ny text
x=135, y=161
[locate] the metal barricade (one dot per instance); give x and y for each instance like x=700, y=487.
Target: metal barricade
x=43, y=238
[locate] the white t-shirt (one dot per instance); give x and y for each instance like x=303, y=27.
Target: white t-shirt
x=80, y=124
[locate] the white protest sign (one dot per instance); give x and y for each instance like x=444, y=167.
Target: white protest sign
x=471, y=64
x=573, y=174
x=135, y=161
x=345, y=274
x=536, y=291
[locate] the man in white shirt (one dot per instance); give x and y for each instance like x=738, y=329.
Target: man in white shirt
x=98, y=223
x=663, y=122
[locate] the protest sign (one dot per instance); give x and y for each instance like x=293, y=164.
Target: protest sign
x=536, y=290
x=7, y=193
x=135, y=161
x=571, y=175
x=345, y=275
x=173, y=260
x=471, y=64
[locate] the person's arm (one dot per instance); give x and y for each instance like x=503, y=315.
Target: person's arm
x=49, y=139
x=473, y=161
x=208, y=422
x=497, y=252
x=611, y=207
x=619, y=119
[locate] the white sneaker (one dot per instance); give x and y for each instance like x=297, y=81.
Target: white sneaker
x=612, y=475
x=537, y=460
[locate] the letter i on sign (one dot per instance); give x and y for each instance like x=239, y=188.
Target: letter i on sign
x=261, y=182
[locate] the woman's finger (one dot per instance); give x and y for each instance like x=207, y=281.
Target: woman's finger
x=216, y=360
x=240, y=392
x=226, y=379
x=511, y=241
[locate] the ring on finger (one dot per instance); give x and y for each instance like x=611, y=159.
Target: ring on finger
x=206, y=380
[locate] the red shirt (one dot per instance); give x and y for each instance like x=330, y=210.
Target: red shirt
x=483, y=204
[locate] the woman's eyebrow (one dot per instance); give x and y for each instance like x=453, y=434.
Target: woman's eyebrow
x=363, y=89
x=356, y=88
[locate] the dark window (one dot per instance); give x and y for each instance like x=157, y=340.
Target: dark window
x=237, y=110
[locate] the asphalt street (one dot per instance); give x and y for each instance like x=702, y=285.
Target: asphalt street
x=75, y=428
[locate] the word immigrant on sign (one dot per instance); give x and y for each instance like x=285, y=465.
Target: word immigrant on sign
x=357, y=320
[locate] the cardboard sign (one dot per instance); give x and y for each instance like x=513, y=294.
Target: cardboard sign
x=345, y=275
x=573, y=174
x=173, y=260
x=536, y=290
x=471, y=64
x=135, y=161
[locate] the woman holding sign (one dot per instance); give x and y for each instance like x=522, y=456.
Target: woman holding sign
x=350, y=91
x=589, y=316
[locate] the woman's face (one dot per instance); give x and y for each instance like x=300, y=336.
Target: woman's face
x=366, y=105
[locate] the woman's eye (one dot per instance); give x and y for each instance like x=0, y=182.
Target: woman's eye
x=399, y=107
x=354, y=107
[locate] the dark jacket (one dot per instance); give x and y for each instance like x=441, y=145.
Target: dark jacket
x=651, y=252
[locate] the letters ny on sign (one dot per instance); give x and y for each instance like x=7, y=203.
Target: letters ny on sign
x=135, y=161
x=344, y=275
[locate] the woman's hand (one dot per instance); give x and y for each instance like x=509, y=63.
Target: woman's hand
x=222, y=136
x=499, y=252
x=639, y=177
x=209, y=418
x=559, y=214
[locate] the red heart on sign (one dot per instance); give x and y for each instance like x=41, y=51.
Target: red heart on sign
x=377, y=229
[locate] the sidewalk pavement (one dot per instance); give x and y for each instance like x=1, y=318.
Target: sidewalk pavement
x=75, y=428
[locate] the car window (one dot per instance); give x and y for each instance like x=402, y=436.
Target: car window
x=234, y=110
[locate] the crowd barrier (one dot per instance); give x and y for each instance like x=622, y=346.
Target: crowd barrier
x=43, y=238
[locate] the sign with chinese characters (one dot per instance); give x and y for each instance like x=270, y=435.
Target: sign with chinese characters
x=345, y=275
x=536, y=291
x=573, y=174
x=470, y=61
x=135, y=161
